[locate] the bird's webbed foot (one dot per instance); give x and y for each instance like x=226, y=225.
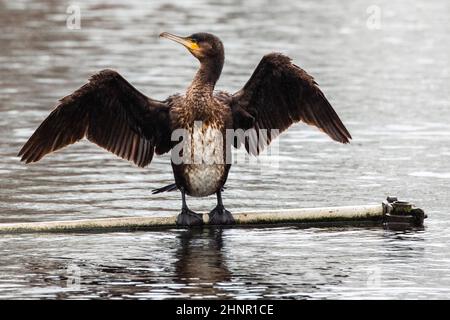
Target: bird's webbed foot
x=221, y=216
x=189, y=218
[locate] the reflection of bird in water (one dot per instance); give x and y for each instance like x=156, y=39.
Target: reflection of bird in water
x=110, y=112
x=195, y=264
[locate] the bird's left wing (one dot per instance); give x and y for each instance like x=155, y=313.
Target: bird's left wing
x=110, y=112
x=278, y=94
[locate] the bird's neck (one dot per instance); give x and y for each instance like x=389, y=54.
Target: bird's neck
x=206, y=77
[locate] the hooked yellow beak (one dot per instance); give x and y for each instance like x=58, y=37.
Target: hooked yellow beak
x=188, y=43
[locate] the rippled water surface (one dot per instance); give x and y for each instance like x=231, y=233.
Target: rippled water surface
x=390, y=86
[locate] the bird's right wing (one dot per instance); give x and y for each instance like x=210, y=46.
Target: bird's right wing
x=110, y=112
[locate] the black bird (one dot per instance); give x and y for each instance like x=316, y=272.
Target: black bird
x=110, y=112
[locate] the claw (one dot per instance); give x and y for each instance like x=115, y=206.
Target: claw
x=189, y=218
x=220, y=216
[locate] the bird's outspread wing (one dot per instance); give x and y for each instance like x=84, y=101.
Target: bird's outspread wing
x=278, y=94
x=110, y=112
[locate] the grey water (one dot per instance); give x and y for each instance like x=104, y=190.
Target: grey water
x=384, y=66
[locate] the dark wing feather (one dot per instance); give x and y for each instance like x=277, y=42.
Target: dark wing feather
x=279, y=94
x=110, y=112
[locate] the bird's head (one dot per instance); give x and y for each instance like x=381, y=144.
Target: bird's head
x=203, y=46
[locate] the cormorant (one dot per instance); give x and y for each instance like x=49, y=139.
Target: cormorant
x=110, y=112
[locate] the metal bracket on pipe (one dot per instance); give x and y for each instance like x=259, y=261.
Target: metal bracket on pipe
x=402, y=212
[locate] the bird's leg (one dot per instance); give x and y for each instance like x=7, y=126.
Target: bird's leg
x=188, y=217
x=219, y=215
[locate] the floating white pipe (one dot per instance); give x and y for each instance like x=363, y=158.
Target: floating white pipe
x=309, y=215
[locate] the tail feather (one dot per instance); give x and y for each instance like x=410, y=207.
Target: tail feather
x=173, y=187
x=170, y=187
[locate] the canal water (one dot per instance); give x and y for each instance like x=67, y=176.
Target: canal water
x=384, y=66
